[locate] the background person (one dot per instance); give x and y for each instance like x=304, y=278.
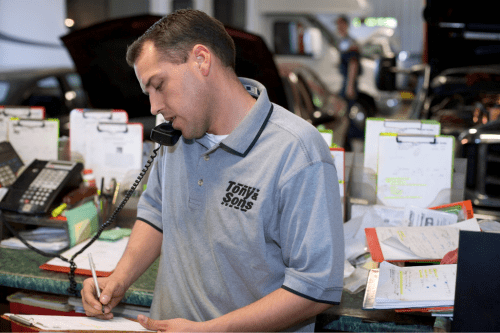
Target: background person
x=350, y=69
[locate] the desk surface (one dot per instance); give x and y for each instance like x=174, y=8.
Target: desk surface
x=19, y=269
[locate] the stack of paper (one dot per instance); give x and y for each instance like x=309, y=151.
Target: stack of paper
x=412, y=287
x=415, y=243
x=43, y=238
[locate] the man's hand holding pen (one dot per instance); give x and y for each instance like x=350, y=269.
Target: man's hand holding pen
x=111, y=294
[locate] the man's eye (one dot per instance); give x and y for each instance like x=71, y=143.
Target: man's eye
x=158, y=87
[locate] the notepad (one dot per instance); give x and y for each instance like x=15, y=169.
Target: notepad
x=415, y=243
x=78, y=323
x=414, y=170
x=105, y=254
x=411, y=287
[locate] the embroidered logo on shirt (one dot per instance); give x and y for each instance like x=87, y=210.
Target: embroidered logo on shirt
x=240, y=196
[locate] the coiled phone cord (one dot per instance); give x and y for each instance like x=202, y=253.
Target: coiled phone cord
x=71, y=275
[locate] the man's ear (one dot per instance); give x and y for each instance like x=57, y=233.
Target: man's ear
x=203, y=58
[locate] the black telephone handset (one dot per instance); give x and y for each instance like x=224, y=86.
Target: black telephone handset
x=165, y=134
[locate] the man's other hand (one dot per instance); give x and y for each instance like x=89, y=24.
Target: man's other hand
x=171, y=325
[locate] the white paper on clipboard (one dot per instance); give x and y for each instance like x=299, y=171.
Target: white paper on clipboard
x=34, y=139
x=116, y=150
x=414, y=170
x=375, y=126
x=82, y=122
x=338, y=155
x=21, y=112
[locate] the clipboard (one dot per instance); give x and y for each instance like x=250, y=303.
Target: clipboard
x=34, y=139
x=338, y=155
x=51, y=323
x=116, y=150
x=375, y=126
x=106, y=256
x=327, y=134
x=84, y=120
x=414, y=170
x=22, y=112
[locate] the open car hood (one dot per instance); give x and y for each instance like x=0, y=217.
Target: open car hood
x=99, y=52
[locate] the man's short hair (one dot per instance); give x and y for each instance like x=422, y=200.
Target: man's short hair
x=175, y=35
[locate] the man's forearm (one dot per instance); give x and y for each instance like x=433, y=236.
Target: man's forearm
x=143, y=247
x=277, y=311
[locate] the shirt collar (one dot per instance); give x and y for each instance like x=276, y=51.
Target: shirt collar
x=245, y=135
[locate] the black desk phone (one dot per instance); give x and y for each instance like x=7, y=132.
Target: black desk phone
x=41, y=185
x=10, y=163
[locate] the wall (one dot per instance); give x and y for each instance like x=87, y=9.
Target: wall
x=29, y=34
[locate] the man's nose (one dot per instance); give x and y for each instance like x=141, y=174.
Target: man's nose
x=155, y=105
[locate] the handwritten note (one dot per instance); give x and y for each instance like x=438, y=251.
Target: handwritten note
x=414, y=170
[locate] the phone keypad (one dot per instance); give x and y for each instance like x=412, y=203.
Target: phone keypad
x=7, y=177
x=41, y=188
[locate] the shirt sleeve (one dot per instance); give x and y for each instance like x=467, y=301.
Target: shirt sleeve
x=311, y=234
x=150, y=203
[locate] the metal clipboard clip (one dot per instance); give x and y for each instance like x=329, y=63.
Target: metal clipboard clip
x=112, y=126
x=416, y=138
x=87, y=113
x=41, y=124
x=398, y=123
x=7, y=115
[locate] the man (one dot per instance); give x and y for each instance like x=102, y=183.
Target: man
x=244, y=209
x=350, y=69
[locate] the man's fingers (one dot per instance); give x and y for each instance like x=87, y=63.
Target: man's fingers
x=89, y=295
x=110, y=290
x=151, y=324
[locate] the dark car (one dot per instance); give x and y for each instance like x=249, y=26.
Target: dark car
x=466, y=102
x=311, y=99
x=462, y=91
x=58, y=90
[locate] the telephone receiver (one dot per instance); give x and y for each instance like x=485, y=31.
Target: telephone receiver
x=165, y=134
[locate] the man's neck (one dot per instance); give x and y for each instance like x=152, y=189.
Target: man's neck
x=233, y=104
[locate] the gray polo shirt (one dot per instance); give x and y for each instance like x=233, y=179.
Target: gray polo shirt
x=257, y=212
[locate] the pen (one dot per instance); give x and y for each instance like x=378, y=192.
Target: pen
x=94, y=276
